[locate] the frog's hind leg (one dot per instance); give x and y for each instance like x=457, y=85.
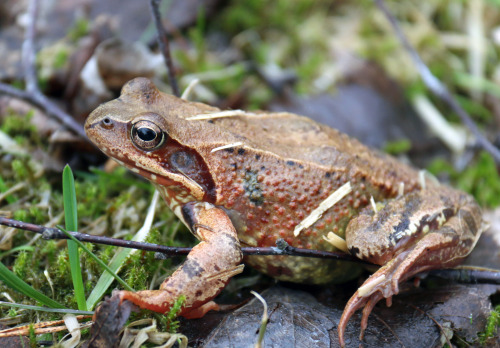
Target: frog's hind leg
x=444, y=243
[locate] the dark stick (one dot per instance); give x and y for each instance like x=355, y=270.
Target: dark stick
x=164, y=44
x=282, y=249
x=463, y=274
x=41, y=101
x=466, y=274
x=433, y=83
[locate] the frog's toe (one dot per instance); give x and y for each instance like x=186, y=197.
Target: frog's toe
x=372, y=301
x=356, y=302
x=373, y=290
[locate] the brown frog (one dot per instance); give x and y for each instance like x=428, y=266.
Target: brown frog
x=239, y=178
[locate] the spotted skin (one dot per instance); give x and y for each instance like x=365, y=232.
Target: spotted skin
x=262, y=174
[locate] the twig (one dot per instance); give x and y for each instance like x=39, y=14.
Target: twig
x=433, y=83
x=435, y=322
x=282, y=247
x=33, y=95
x=388, y=327
x=164, y=44
x=462, y=274
x=41, y=101
x=467, y=274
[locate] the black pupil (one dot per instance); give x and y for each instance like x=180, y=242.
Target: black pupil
x=146, y=134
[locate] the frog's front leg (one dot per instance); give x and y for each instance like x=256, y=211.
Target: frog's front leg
x=207, y=269
x=418, y=232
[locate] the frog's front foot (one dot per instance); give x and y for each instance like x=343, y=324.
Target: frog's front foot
x=408, y=242
x=207, y=268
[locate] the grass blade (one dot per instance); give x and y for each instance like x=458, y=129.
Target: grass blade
x=3, y=188
x=16, y=283
x=98, y=260
x=45, y=309
x=71, y=218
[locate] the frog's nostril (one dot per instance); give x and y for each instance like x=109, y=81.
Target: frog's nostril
x=107, y=122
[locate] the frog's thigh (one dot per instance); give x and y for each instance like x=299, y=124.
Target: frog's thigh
x=405, y=221
x=207, y=269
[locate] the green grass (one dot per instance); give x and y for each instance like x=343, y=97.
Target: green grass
x=71, y=218
x=26, y=258
x=481, y=178
x=19, y=285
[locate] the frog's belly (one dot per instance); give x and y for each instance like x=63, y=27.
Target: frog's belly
x=304, y=269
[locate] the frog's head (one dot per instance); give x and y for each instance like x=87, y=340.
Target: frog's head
x=146, y=131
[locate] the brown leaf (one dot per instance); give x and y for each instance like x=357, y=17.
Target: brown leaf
x=109, y=319
x=296, y=318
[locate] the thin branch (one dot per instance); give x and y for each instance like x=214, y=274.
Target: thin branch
x=164, y=44
x=435, y=322
x=433, y=83
x=388, y=327
x=463, y=274
x=42, y=102
x=33, y=95
x=467, y=274
x=282, y=247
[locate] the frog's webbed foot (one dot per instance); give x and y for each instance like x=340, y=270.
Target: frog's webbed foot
x=385, y=282
x=207, y=268
x=437, y=238
x=378, y=286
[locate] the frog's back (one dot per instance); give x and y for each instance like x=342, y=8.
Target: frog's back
x=299, y=138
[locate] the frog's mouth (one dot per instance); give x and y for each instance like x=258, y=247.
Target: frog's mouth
x=182, y=185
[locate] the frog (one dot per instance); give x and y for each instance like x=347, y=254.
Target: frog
x=237, y=178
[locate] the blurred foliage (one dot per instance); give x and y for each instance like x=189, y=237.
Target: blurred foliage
x=481, y=179
x=490, y=333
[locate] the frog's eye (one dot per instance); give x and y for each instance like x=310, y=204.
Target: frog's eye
x=147, y=136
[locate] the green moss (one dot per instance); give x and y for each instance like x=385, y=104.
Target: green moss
x=21, y=215
x=143, y=265
x=20, y=127
x=3, y=187
x=397, y=147
x=49, y=251
x=481, y=178
x=62, y=264
x=32, y=336
x=80, y=28
x=22, y=169
x=107, y=253
x=61, y=58
x=478, y=110
x=170, y=322
x=260, y=14
x=491, y=329
x=22, y=265
x=137, y=277
x=37, y=215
